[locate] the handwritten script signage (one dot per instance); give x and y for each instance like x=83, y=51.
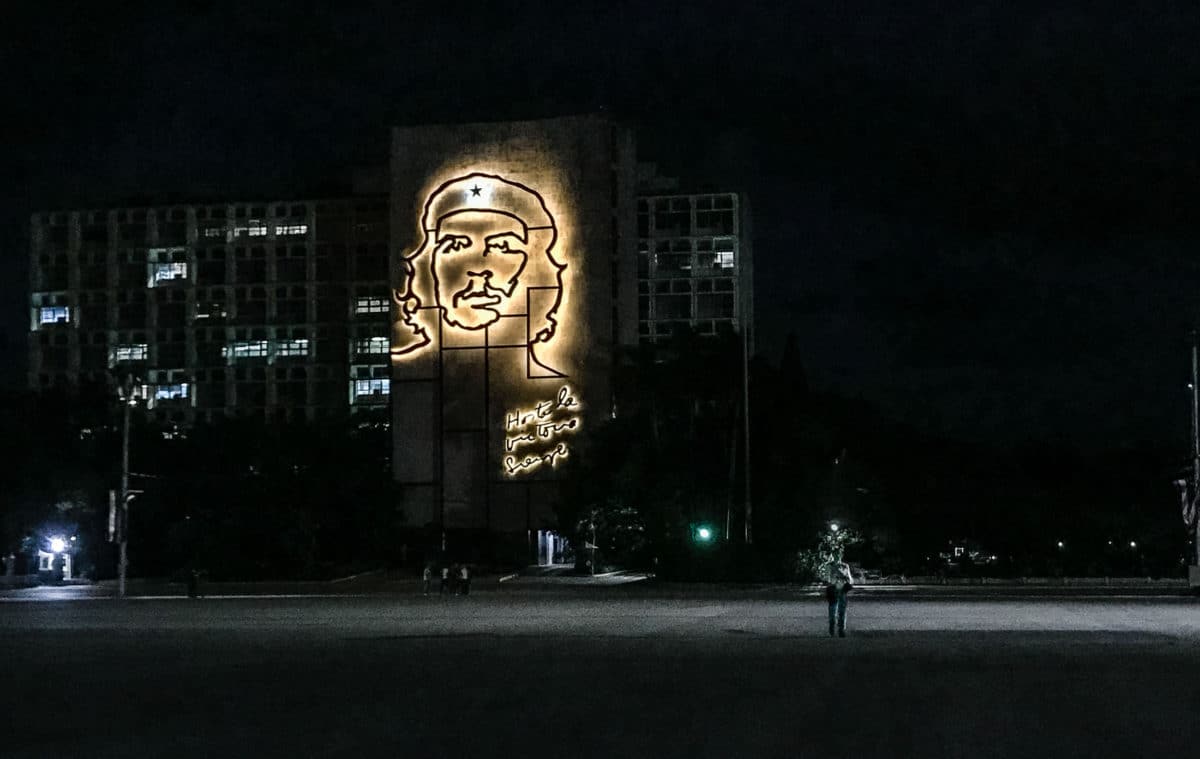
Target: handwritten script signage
x=535, y=437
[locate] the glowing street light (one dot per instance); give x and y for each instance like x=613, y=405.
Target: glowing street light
x=833, y=527
x=1060, y=544
x=704, y=533
x=1133, y=544
x=57, y=545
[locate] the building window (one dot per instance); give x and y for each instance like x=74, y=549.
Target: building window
x=254, y=229
x=128, y=352
x=168, y=272
x=245, y=349
x=371, y=387
x=211, y=232
x=371, y=345
x=54, y=315
x=297, y=347
x=291, y=229
x=723, y=259
x=370, y=304
x=169, y=392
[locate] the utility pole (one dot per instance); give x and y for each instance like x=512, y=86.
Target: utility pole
x=746, y=419
x=593, y=542
x=1190, y=516
x=123, y=561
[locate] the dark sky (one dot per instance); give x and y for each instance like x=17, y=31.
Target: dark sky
x=983, y=219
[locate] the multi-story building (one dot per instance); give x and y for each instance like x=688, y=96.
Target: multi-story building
x=695, y=266
x=490, y=288
x=278, y=310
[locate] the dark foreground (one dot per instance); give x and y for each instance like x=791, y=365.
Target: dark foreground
x=495, y=676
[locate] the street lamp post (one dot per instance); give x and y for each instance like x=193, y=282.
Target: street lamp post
x=127, y=401
x=1191, y=514
x=749, y=526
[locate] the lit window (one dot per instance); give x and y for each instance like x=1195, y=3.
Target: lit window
x=254, y=229
x=169, y=392
x=168, y=272
x=371, y=345
x=291, y=229
x=369, y=387
x=370, y=304
x=298, y=347
x=214, y=232
x=245, y=349
x=55, y=314
x=129, y=352
x=724, y=259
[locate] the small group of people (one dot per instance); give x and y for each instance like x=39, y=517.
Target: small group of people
x=455, y=579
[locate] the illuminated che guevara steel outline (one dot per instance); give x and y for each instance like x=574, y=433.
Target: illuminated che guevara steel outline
x=473, y=227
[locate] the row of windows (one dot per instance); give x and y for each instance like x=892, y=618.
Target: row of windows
x=370, y=261
x=688, y=244
x=666, y=328
x=213, y=334
x=687, y=306
x=684, y=264
x=238, y=374
x=240, y=211
x=687, y=202
x=137, y=215
x=662, y=286
x=287, y=347
x=242, y=349
x=368, y=299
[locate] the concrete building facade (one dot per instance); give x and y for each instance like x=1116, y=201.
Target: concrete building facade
x=478, y=305
x=278, y=310
x=515, y=248
x=695, y=262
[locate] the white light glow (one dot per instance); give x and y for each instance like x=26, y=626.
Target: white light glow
x=57, y=545
x=55, y=314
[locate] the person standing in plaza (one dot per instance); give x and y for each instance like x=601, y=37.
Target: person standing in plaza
x=838, y=583
x=426, y=578
x=464, y=578
x=445, y=588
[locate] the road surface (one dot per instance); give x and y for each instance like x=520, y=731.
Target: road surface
x=526, y=674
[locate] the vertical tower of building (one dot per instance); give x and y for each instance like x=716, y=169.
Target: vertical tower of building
x=514, y=249
x=695, y=261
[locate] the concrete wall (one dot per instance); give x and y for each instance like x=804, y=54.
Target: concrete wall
x=454, y=386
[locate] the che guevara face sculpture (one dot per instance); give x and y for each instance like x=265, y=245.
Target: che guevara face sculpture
x=487, y=253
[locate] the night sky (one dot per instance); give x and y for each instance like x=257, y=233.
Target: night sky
x=982, y=219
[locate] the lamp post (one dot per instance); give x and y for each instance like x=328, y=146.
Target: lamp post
x=746, y=416
x=128, y=398
x=1191, y=513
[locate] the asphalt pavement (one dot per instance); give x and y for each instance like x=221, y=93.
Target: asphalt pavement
x=531, y=674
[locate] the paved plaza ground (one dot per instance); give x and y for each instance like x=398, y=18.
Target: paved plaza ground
x=605, y=674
